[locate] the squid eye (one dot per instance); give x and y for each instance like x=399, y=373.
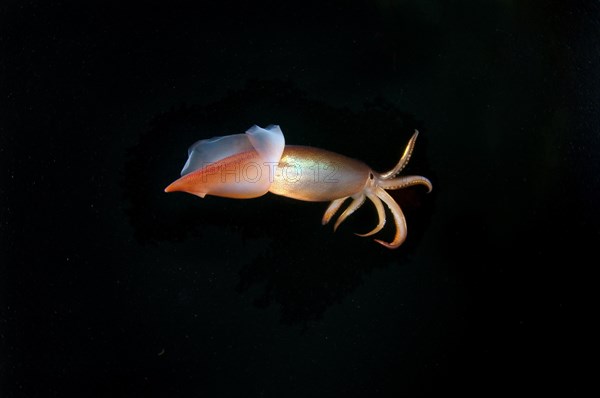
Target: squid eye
x=370, y=176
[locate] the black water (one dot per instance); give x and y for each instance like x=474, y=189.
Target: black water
x=110, y=287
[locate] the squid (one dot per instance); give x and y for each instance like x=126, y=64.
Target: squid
x=244, y=166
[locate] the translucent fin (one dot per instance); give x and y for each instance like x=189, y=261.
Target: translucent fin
x=268, y=142
x=211, y=150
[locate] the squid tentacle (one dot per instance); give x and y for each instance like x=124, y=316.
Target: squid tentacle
x=354, y=205
x=334, y=206
x=380, y=215
x=399, y=220
x=404, y=182
x=404, y=159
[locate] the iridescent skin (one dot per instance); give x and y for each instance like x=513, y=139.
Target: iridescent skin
x=316, y=175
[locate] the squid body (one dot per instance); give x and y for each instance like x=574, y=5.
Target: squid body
x=249, y=165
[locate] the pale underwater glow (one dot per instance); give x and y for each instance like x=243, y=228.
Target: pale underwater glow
x=244, y=166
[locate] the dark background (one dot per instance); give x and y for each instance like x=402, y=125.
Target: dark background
x=109, y=287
